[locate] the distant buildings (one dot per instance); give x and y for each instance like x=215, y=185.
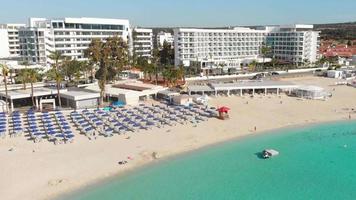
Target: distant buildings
x=142, y=42
x=164, y=37
x=9, y=40
x=70, y=36
x=341, y=50
x=237, y=47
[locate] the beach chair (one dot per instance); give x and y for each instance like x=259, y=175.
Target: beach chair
x=88, y=131
x=3, y=132
x=17, y=131
x=37, y=136
x=68, y=136
x=59, y=139
x=106, y=131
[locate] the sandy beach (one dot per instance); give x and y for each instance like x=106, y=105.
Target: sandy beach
x=43, y=170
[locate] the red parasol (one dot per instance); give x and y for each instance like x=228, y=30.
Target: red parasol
x=223, y=109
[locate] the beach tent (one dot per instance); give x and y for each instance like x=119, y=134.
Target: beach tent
x=311, y=92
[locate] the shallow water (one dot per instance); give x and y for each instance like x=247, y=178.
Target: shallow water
x=316, y=162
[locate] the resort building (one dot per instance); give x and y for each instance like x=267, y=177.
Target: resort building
x=142, y=42
x=70, y=36
x=164, y=37
x=218, y=48
x=234, y=48
x=297, y=44
x=9, y=40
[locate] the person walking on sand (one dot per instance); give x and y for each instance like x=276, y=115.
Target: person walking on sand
x=255, y=128
x=349, y=115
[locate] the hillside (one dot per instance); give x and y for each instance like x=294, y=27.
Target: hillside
x=337, y=31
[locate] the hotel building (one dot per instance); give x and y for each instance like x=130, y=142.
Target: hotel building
x=9, y=40
x=142, y=42
x=237, y=47
x=70, y=36
x=296, y=44
x=214, y=48
x=164, y=37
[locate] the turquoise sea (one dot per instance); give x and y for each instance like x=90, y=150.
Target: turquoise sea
x=315, y=162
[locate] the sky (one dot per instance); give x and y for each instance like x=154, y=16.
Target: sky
x=186, y=13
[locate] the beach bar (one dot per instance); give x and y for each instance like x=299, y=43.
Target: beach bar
x=41, y=95
x=241, y=86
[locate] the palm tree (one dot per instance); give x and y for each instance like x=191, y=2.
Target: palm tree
x=5, y=71
x=252, y=66
x=57, y=57
x=322, y=61
x=274, y=61
x=181, y=73
x=110, y=56
x=23, y=77
x=265, y=51
x=32, y=77
x=221, y=67
x=155, y=61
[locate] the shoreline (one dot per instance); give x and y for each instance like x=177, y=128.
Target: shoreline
x=143, y=166
x=60, y=170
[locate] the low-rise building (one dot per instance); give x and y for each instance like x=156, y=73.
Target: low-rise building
x=129, y=92
x=78, y=98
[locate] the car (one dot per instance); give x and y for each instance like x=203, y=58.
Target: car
x=274, y=73
x=256, y=77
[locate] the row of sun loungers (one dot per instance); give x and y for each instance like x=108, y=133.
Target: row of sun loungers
x=123, y=120
x=10, y=125
x=17, y=129
x=3, y=125
x=53, y=127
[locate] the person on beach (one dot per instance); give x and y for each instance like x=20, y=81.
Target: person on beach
x=255, y=128
x=349, y=115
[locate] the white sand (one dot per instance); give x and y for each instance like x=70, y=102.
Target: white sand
x=42, y=171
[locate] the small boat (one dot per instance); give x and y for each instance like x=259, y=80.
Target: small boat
x=267, y=153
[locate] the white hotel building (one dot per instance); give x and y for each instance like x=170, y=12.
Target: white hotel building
x=9, y=40
x=142, y=42
x=164, y=37
x=237, y=47
x=294, y=43
x=70, y=36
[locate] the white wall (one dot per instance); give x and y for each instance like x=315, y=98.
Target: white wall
x=4, y=44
